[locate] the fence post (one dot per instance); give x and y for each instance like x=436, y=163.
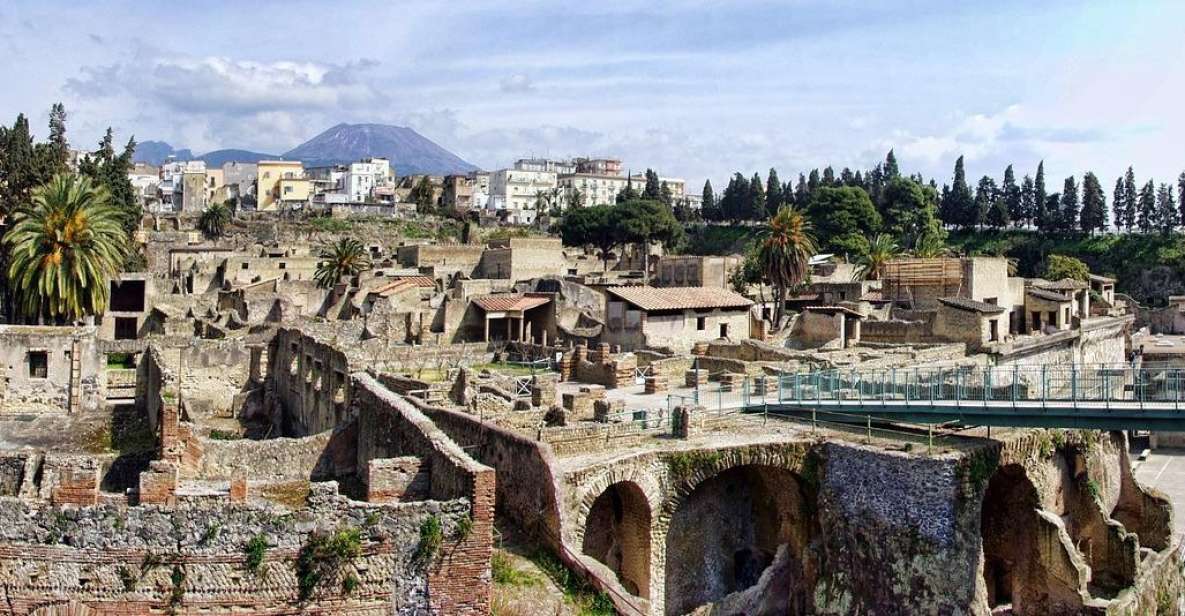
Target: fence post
x=929, y=439
x=868, y=419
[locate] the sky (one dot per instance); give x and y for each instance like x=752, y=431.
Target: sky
x=693, y=88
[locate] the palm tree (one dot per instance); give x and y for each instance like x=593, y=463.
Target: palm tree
x=64, y=247
x=930, y=246
x=344, y=258
x=214, y=220
x=784, y=255
x=871, y=264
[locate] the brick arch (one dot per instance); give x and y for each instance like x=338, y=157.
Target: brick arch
x=736, y=514
x=645, y=481
x=723, y=460
x=617, y=533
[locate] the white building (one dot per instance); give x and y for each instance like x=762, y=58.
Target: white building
x=518, y=191
x=545, y=164
x=361, y=178
x=595, y=189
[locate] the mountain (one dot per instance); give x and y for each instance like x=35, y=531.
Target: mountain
x=155, y=152
x=409, y=152
x=217, y=157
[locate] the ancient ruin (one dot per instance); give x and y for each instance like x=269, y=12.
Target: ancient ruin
x=233, y=437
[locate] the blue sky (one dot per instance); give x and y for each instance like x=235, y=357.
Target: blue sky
x=694, y=88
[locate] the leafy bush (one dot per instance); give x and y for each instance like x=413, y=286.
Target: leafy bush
x=256, y=551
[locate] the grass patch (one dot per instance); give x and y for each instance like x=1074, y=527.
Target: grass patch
x=684, y=463
x=121, y=361
x=431, y=537
x=586, y=600
x=224, y=435
x=510, y=369
x=293, y=494
x=506, y=574
x=327, y=224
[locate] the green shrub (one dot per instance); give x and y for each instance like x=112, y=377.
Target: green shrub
x=256, y=551
x=324, y=553
x=506, y=574
x=431, y=537
x=224, y=435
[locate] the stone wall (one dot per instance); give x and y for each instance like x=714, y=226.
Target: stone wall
x=51, y=368
x=107, y=560
x=320, y=457
x=310, y=382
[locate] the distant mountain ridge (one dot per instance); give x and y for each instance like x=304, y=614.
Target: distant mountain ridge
x=410, y=153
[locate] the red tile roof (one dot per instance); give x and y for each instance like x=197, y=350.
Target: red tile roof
x=508, y=302
x=420, y=281
x=680, y=298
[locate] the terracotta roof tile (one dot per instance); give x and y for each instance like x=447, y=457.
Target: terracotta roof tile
x=1065, y=284
x=420, y=281
x=507, y=302
x=963, y=303
x=680, y=298
x=1047, y=295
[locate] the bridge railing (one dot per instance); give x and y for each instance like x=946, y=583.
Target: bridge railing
x=982, y=384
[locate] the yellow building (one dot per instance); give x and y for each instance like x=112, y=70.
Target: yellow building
x=294, y=191
x=268, y=189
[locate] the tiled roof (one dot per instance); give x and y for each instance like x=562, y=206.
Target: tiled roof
x=509, y=302
x=834, y=309
x=963, y=303
x=680, y=298
x=1047, y=295
x=1065, y=284
x=1102, y=279
x=420, y=281
x=393, y=287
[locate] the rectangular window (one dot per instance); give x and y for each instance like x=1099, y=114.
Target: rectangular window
x=38, y=364
x=125, y=328
x=244, y=265
x=724, y=330
x=701, y=323
x=993, y=330
x=991, y=300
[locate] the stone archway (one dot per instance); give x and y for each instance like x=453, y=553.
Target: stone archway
x=744, y=525
x=617, y=533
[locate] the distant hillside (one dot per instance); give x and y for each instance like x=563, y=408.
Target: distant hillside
x=409, y=152
x=217, y=157
x=155, y=152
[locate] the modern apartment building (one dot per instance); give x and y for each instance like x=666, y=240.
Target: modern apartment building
x=269, y=192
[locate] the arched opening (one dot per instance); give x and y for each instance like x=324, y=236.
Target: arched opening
x=617, y=533
x=732, y=530
x=1009, y=535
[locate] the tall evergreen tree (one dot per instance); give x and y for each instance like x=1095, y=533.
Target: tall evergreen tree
x=1146, y=219
x=1094, y=204
x=1010, y=194
x=1028, y=203
x=847, y=178
x=828, y=176
x=986, y=197
x=1167, y=217
x=813, y=183
x=1040, y=200
x=665, y=196
x=1119, y=203
x=891, y=171
x=1181, y=195
x=802, y=192
x=756, y=205
x=652, y=190
x=1131, y=206
x=110, y=170
x=708, y=202
x=773, y=192
x=59, y=148
x=1067, y=214
x=958, y=208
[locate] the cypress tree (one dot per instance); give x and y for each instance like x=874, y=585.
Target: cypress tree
x=1011, y=196
x=1181, y=195
x=1028, y=205
x=1119, y=203
x=708, y=202
x=961, y=209
x=773, y=192
x=59, y=149
x=1067, y=214
x=1131, y=207
x=828, y=176
x=1094, y=204
x=802, y=192
x=652, y=190
x=1146, y=219
x=812, y=183
x=986, y=196
x=756, y=205
x=891, y=171
x=1040, y=201
x=1166, y=209
x=847, y=178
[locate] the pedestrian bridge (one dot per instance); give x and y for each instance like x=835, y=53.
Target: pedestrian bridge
x=1103, y=397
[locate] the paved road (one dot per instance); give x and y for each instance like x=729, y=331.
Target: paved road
x=1165, y=470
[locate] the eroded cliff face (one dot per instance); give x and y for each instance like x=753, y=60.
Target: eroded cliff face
x=1043, y=522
